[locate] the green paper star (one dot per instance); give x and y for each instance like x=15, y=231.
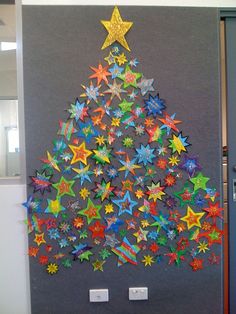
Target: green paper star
x=186, y=195
x=54, y=207
x=98, y=265
x=125, y=106
x=85, y=256
x=104, y=254
x=83, y=234
x=102, y=155
x=199, y=182
x=129, y=77
x=67, y=263
x=64, y=187
x=91, y=212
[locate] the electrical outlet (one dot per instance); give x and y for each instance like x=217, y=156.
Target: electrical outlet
x=98, y=295
x=138, y=293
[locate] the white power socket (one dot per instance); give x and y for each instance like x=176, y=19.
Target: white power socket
x=138, y=293
x=98, y=295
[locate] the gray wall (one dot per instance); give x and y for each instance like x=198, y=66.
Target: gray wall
x=178, y=47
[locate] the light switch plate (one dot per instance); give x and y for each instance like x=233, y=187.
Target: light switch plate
x=138, y=293
x=98, y=295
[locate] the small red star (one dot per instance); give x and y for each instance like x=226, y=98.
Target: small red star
x=33, y=251
x=214, y=259
x=43, y=260
x=196, y=264
x=154, y=247
x=162, y=163
x=97, y=230
x=170, y=180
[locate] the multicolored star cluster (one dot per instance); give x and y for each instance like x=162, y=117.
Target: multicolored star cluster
x=119, y=182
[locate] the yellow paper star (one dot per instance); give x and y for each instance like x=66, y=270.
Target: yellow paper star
x=203, y=247
x=80, y=153
x=84, y=193
x=98, y=265
x=192, y=219
x=148, y=260
x=109, y=208
x=52, y=268
x=52, y=161
x=39, y=238
x=117, y=29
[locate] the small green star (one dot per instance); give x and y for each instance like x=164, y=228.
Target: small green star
x=129, y=77
x=104, y=254
x=85, y=256
x=125, y=106
x=64, y=187
x=67, y=263
x=199, y=182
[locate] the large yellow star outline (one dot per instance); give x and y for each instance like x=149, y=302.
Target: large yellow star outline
x=192, y=219
x=117, y=29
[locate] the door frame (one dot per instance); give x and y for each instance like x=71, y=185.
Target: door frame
x=229, y=17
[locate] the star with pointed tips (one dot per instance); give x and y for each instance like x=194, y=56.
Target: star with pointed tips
x=64, y=187
x=192, y=218
x=80, y=153
x=126, y=204
x=91, y=212
x=145, y=85
x=117, y=28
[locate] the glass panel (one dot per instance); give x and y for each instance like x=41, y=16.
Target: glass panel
x=9, y=133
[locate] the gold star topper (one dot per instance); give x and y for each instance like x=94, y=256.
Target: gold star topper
x=117, y=29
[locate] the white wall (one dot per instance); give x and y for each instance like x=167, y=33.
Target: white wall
x=14, y=281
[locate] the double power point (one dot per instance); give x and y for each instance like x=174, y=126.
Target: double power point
x=102, y=295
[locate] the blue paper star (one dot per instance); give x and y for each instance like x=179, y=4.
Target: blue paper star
x=87, y=131
x=161, y=221
x=113, y=223
x=78, y=110
x=83, y=173
x=80, y=249
x=53, y=233
x=59, y=146
x=145, y=154
x=115, y=71
x=154, y=105
x=190, y=165
x=125, y=204
x=33, y=204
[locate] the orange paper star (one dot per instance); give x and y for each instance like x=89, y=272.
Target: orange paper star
x=100, y=73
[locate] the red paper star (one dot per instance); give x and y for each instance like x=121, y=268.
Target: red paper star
x=196, y=264
x=97, y=230
x=214, y=235
x=213, y=211
x=154, y=247
x=33, y=251
x=214, y=259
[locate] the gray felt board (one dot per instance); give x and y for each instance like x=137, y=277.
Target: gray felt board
x=178, y=47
